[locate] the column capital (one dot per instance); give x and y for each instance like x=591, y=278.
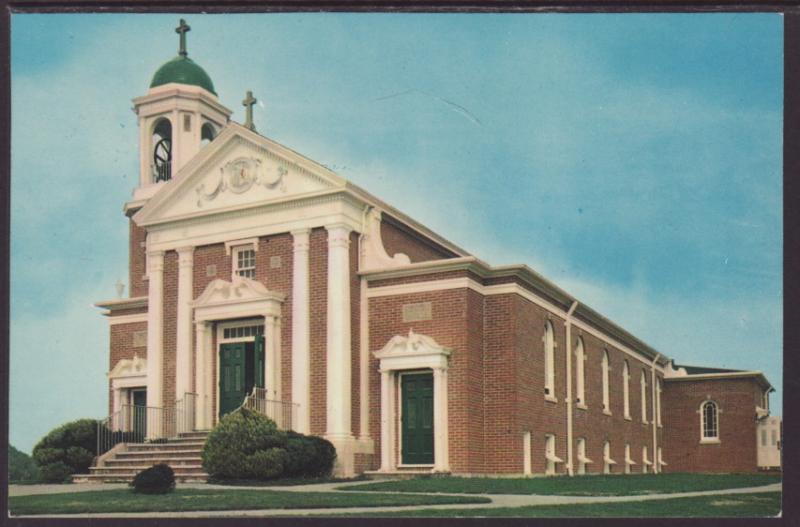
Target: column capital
x=185, y=256
x=300, y=240
x=155, y=261
x=339, y=235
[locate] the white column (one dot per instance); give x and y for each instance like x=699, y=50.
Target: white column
x=276, y=362
x=301, y=330
x=183, y=341
x=387, y=417
x=440, y=450
x=203, y=396
x=338, y=333
x=209, y=358
x=269, y=357
x=155, y=327
x=364, y=362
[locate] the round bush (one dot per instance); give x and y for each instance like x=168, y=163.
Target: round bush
x=68, y=449
x=158, y=479
x=231, y=445
x=266, y=464
x=309, y=456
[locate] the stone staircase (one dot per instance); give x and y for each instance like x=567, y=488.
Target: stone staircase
x=123, y=462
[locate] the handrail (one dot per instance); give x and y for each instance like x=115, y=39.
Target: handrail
x=282, y=412
x=139, y=424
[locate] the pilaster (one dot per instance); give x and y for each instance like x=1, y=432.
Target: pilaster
x=301, y=329
x=155, y=328
x=183, y=351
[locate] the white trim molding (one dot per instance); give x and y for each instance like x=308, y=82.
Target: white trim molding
x=127, y=319
x=373, y=253
x=501, y=289
x=408, y=353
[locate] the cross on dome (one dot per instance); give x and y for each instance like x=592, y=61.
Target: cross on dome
x=182, y=29
x=248, y=103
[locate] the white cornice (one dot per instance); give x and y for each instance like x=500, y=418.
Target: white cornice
x=126, y=319
x=122, y=303
x=502, y=289
x=721, y=376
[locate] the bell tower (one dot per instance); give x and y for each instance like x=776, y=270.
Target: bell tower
x=179, y=115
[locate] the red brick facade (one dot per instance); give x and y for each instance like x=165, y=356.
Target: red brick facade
x=736, y=400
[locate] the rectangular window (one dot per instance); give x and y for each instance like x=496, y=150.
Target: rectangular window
x=763, y=438
x=242, y=332
x=550, y=454
x=244, y=262
x=774, y=437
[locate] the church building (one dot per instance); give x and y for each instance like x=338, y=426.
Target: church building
x=260, y=277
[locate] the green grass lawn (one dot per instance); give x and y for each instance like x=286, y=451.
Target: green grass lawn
x=123, y=500
x=765, y=504
x=618, y=485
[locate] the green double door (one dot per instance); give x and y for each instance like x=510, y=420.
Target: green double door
x=241, y=367
x=417, y=418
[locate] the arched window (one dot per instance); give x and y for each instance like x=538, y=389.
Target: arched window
x=162, y=150
x=207, y=134
x=709, y=424
x=608, y=463
x=628, y=461
x=582, y=459
x=658, y=401
x=549, y=361
x=580, y=392
x=626, y=380
x=643, y=384
x=605, y=368
x=646, y=463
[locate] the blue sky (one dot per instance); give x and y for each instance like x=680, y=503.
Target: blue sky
x=635, y=160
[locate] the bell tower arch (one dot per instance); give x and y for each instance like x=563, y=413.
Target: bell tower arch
x=179, y=115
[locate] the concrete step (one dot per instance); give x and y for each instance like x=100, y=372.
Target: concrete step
x=202, y=434
x=194, y=461
x=111, y=478
x=135, y=469
x=158, y=454
x=177, y=445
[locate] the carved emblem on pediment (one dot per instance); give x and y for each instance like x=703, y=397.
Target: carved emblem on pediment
x=240, y=175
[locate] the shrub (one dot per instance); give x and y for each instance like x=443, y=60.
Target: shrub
x=309, y=456
x=247, y=445
x=158, y=479
x=230, y=448
x=58, y=472
x=21, y=467
x=68, y=449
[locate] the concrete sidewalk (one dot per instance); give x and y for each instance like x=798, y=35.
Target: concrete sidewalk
x=498, y=501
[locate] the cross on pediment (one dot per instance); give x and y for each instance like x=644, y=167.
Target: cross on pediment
x=182, y=29
x=248, y=103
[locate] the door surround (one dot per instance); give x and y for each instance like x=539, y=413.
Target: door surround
x=405, y=354
x=400, y=392
x=219, y=330
x=222, y=302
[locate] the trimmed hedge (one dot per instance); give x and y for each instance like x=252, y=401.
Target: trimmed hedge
x=68, y=449
x=248, y=445
x=158, y=479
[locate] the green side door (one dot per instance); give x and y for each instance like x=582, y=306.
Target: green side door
x=417, y=421
x=231, y=377
x=259, y=361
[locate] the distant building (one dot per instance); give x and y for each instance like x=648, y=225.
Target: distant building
x=258, y=273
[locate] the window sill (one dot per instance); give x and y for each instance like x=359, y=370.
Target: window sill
x=581, y=406
x=645, y=423
x=606, y=411
x=551, y=398
x=709, y=441
x=628, y=418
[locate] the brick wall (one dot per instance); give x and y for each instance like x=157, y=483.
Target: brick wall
x=318, y=282
x=736, y=402
x=121, y=347
x=137, y=260
x=400, y=239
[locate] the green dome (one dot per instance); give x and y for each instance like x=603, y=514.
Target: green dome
x=182, y=70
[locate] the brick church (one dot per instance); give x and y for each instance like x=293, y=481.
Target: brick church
x=260, y=277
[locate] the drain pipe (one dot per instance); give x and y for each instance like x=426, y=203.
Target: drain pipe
x=568, y=398
x=656, y=466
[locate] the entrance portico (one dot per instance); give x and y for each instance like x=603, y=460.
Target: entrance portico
x=242, y=298
x=407, y=364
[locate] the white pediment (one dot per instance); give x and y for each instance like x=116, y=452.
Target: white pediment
x=239, y=169
x=124, y=368
x=235, y=299
x=411, y=352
